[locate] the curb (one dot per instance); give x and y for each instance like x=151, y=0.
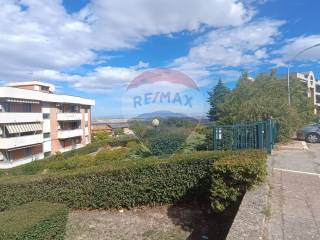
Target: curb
x=303, y=146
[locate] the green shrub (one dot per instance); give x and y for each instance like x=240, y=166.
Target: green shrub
x=111, y=155
x=233, y=174
x=36, y=220
x=194, y=142
x=126, y=183
x=118, y=182
x=138, y=150
x=162, y=142
x=118, y=131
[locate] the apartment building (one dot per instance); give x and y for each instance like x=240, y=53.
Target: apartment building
x=312, y=87
x=35, y=122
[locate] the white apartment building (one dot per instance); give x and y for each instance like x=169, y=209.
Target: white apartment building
x=312, y=87
x=35, y=122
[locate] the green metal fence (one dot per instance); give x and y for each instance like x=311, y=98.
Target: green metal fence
x=258, y=135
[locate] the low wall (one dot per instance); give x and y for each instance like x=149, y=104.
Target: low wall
x=249, y=223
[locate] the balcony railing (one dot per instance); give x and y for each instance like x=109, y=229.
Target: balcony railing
x=20, y=117
x=10, y=164
x=15, y=142
x=69, y=116
x=63, y=134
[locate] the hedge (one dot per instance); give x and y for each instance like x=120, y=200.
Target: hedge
x=36, y=220
x=235, y=173
x=123, y=184
x=221, y=177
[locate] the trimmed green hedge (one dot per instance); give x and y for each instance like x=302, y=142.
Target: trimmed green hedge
x=36, y=220
x=233, y=174
x=126, y=183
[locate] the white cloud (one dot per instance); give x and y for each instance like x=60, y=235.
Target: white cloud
x=103, y=78
x=218, y=51
x=231, y=47
x=40, y=39
x=294, y=46
x=124, y=23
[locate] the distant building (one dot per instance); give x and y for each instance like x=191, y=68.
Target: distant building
x=35, y=122
x=124, y=126
x=312, y=87
x=110, y=126
x=101, y=127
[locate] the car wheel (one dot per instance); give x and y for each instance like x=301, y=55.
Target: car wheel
x=313, y=138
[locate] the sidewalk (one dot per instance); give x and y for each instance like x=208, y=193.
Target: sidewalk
x=295, y=194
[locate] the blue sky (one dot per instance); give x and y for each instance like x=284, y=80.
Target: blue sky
x=95, y=48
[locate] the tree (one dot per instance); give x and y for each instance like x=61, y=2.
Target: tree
x=266, y=97
x=217, y=96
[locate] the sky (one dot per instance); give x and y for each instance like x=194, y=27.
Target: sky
x=95, y=48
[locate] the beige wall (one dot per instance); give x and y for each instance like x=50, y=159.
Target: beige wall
x=55, y=144
x=89, y=123
x=28, y=87
x=83, y=139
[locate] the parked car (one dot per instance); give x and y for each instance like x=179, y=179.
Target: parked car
x=310, y=133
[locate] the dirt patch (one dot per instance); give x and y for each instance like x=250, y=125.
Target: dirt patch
x=179, y=222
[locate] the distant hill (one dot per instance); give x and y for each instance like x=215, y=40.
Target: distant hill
x=162, y=114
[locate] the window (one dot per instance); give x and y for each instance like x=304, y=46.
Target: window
x=86, y=124
x=75, y=108
x=4, y=107
x=46, y=116
x=318, y=88
x=44, y=89
x=318, y=99
x=28, y=152
x=47, y=154
x=74, y=125
x=46, y=135
x=26, y=107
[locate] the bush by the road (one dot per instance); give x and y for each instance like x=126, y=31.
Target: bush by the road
x=36, y=220
x=116, y=184
x=123, y=183
x=233, y=174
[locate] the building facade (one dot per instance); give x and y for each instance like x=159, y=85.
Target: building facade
x=312, y=87
x=35, y=122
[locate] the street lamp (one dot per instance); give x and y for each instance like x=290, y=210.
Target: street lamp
x=288, y=66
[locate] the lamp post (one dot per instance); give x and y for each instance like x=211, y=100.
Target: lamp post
x=288, y=66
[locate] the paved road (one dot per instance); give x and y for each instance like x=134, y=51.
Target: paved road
x=295, y=194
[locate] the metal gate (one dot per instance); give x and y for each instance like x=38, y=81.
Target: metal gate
x=258, y=135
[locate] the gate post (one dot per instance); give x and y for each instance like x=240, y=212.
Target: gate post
x=260, y=135
x=270, y=136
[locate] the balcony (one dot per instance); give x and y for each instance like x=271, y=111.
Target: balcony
x=11, y=164
x=20, y=117
x=69, y=116
x=63, y=134
x=15, y=142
